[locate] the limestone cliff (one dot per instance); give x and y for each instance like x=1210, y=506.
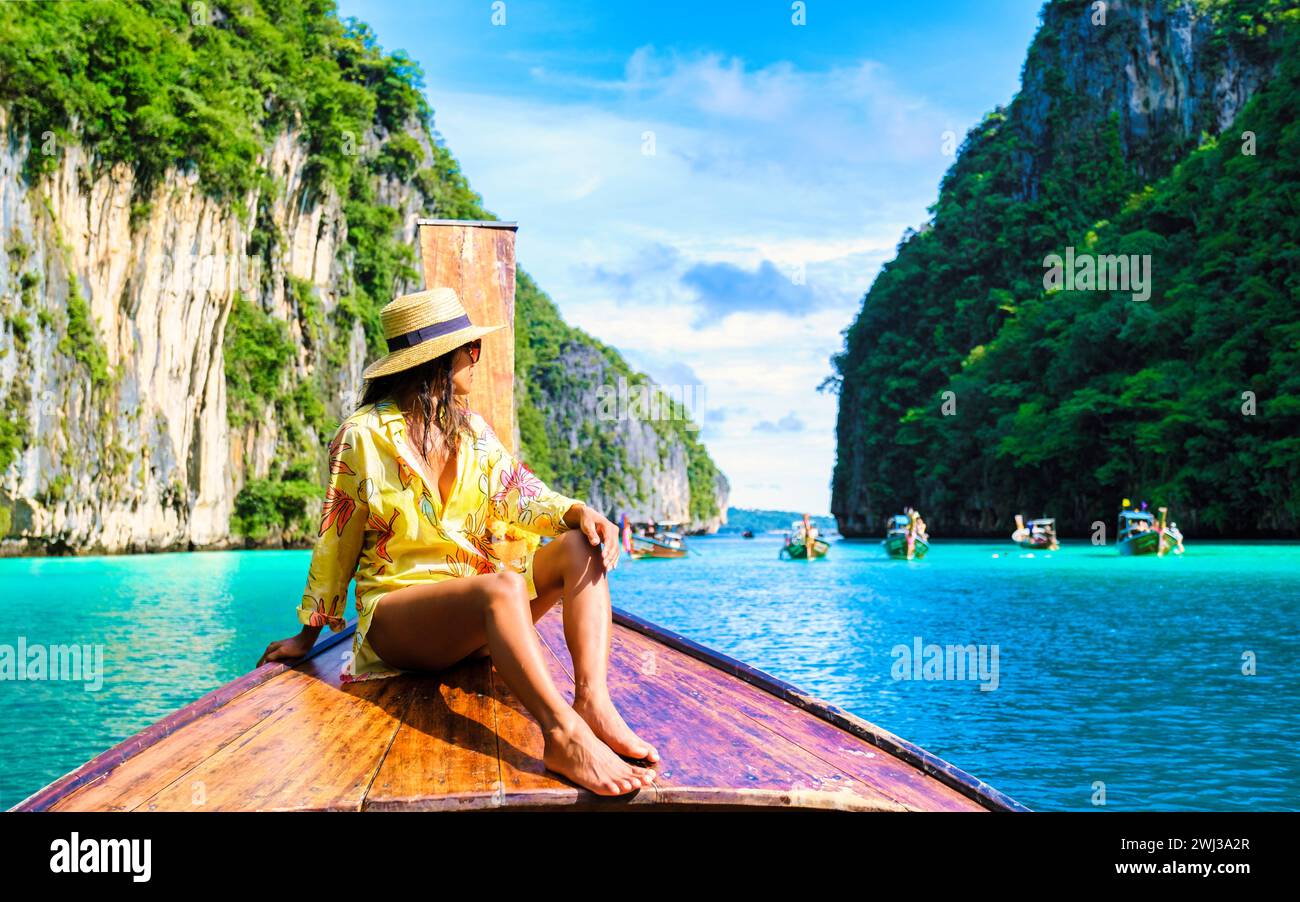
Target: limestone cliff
x=173, y=357
x=623, y=459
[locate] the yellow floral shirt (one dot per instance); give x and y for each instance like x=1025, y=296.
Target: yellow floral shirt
x=384, y=520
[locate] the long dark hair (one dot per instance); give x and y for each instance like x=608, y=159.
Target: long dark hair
x=424, y=395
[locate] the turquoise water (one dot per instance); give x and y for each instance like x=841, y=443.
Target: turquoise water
x=1126, y=671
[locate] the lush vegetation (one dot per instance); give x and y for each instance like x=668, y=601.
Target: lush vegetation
x=79, y=341
x=258, y=353
x=275, y=508
x=1067, y=401
x=203, y=88
x=14, y=427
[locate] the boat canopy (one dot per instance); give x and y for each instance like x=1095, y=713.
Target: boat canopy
x=1136, y=515
x=900, y=520
x=1042, y=522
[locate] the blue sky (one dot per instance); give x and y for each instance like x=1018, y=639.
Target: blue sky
x=709, y=187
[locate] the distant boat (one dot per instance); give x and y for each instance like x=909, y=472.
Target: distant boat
x=747, y=534
x=803, y=542
x=906, y=539
x=1039, y=535
x=1140, y=533
x=652, y=541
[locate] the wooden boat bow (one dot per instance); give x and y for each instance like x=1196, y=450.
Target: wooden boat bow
x=293, y=738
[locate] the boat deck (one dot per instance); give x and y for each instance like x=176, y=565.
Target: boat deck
x=293, y=738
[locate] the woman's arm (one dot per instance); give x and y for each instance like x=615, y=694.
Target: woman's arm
x=518, y=496
x=339, y=540
x=341, y=530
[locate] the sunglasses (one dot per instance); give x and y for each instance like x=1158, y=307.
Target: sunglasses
x=475, y=348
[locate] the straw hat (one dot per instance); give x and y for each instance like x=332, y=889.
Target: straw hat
x=421, y=326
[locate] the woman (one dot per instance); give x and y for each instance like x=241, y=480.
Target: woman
x=419, y=486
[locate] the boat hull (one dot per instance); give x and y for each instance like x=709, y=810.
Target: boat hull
x=1150, y=542
x=646, y=549
x=798, y=551
x=896, y=548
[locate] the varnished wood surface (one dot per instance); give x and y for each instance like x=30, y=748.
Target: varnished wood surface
x=296, y=739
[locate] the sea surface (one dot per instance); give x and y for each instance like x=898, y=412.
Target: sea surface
x=1143, y=683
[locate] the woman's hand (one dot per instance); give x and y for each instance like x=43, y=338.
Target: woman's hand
x=290, y=649
x=599, y=529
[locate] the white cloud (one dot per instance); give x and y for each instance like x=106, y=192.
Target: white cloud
x=752, y=168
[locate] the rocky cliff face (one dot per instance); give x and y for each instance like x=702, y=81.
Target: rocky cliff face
x=1161, y=68
x=113, y=369
x=639, y=466
x=140, y=457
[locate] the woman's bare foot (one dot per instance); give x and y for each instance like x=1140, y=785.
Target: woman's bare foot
x=608, y=725
x=577, y=753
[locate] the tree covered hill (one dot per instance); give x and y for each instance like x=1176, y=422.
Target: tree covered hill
x=972, y=391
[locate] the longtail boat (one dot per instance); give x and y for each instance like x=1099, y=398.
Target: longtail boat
x=653, y=542
x=903, y=541
x=292, y=737
x=803, y=542
x=1138, y=532
x=1037, y=535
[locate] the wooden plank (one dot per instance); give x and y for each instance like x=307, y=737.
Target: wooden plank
x=318, y=752
x=924, y=761
x=135, y=780
x=444, y=756
x=709, y=753
x=887, y=775
x=101, y=765
x=475, y=745
x=479, y=262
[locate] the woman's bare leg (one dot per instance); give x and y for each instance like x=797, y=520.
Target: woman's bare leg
x=540, y=605
x=433, y=625
x=572, y=565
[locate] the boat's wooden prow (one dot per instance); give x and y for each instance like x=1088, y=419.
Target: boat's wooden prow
x=295, y=739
